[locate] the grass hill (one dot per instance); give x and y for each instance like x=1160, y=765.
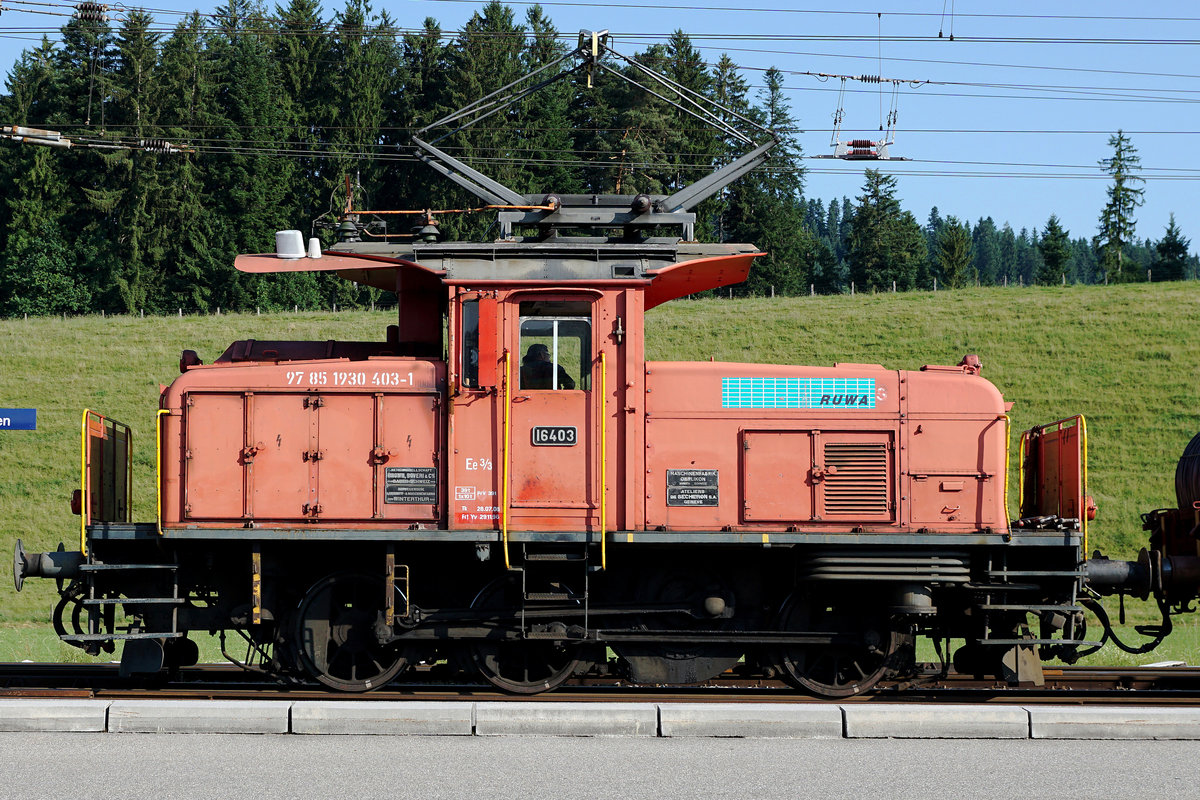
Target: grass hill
x=1125, y=356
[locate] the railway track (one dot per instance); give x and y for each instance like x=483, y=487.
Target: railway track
x=1173, y=686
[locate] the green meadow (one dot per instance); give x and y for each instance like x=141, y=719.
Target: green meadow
x=1124, y=356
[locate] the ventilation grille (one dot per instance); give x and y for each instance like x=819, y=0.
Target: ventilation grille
x=859, y=487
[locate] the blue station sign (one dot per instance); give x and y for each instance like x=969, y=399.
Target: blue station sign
x=18, y=419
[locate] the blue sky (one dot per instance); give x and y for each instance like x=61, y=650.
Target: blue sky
x=1008, y=121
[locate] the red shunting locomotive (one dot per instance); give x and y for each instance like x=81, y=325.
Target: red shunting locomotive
x=504, y=483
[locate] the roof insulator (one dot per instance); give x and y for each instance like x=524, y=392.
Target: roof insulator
x=91, y=12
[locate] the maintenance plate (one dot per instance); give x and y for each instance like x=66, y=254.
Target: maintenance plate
x=693, y=487
x=411, y=485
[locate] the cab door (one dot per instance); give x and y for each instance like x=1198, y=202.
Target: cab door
x=553, y=469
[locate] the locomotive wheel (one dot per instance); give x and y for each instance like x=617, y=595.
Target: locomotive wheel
x=335, y=640
x=520, y=666
x=838, y=669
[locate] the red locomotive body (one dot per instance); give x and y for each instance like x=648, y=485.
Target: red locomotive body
x=503, y=481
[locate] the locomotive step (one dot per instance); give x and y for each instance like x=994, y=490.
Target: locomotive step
x=1012, y=642
x=556, y=557
x=111, y=567
x=109, y=637
x=108, y=601
x=1031, y=608
x=556, y=635
x=1034, y=573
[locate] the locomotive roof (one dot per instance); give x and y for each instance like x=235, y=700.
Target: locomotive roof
x=666, y=268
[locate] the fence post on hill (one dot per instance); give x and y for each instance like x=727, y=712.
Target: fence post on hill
x=935, y=284
x=772, y=291
x=812, y=290
x=893, y=286
x=1148, y=277
x=851, y=288
x=1064, y=279
x=181, y=313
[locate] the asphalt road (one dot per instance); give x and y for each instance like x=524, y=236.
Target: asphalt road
x=164, y=767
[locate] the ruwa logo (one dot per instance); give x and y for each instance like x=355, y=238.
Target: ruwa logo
x=845, y=400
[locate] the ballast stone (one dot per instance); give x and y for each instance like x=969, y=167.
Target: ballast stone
x=1073, y=722
x=198, y=716
x=911, y=721
x=566, y=719
x=53, y=715
x=397, y=718
x=751, y=720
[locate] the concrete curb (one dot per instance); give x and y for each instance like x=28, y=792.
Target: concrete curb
x=911, y=721
x=1076, y=722
x=666, y=720
x=751, y=720
x=383, y=717
x=198, y=716
x=49, y=714
x=566, y=719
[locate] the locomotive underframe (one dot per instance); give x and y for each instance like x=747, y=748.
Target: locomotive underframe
x=667, y=617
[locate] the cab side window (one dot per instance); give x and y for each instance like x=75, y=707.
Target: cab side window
x=556, y=345
x=470, y=344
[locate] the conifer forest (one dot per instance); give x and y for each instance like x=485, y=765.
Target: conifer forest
x=211, y=136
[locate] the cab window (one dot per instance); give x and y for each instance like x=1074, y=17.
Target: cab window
x=470, y=344
x=556, y=345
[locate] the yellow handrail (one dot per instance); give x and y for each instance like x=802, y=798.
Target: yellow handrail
x=1021, y=473
x=158, y=445
x=603, y=462
x=1083, y=510
x=85, y=504
x=1007, y=433
x=505, y=456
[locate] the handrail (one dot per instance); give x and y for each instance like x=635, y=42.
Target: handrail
x=603, y=462
x=1021, y=455
x=505, y=455
x=85, y=506
x=1083, y=499
x=1004, y=497
x=158, y=447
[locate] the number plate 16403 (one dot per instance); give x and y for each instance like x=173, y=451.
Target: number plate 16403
x=555, y=435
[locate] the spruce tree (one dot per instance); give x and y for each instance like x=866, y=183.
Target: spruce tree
x=1172, y=254
x=185, y=100
x=731, y=91
x=1116, y=220
x=420, y=98
x=885, y=242
x=987, y=251
x=309, y=88
x=955, y=254
x=543, y=119
x=247, y=175
x=1055, y=247
x=766, y=207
